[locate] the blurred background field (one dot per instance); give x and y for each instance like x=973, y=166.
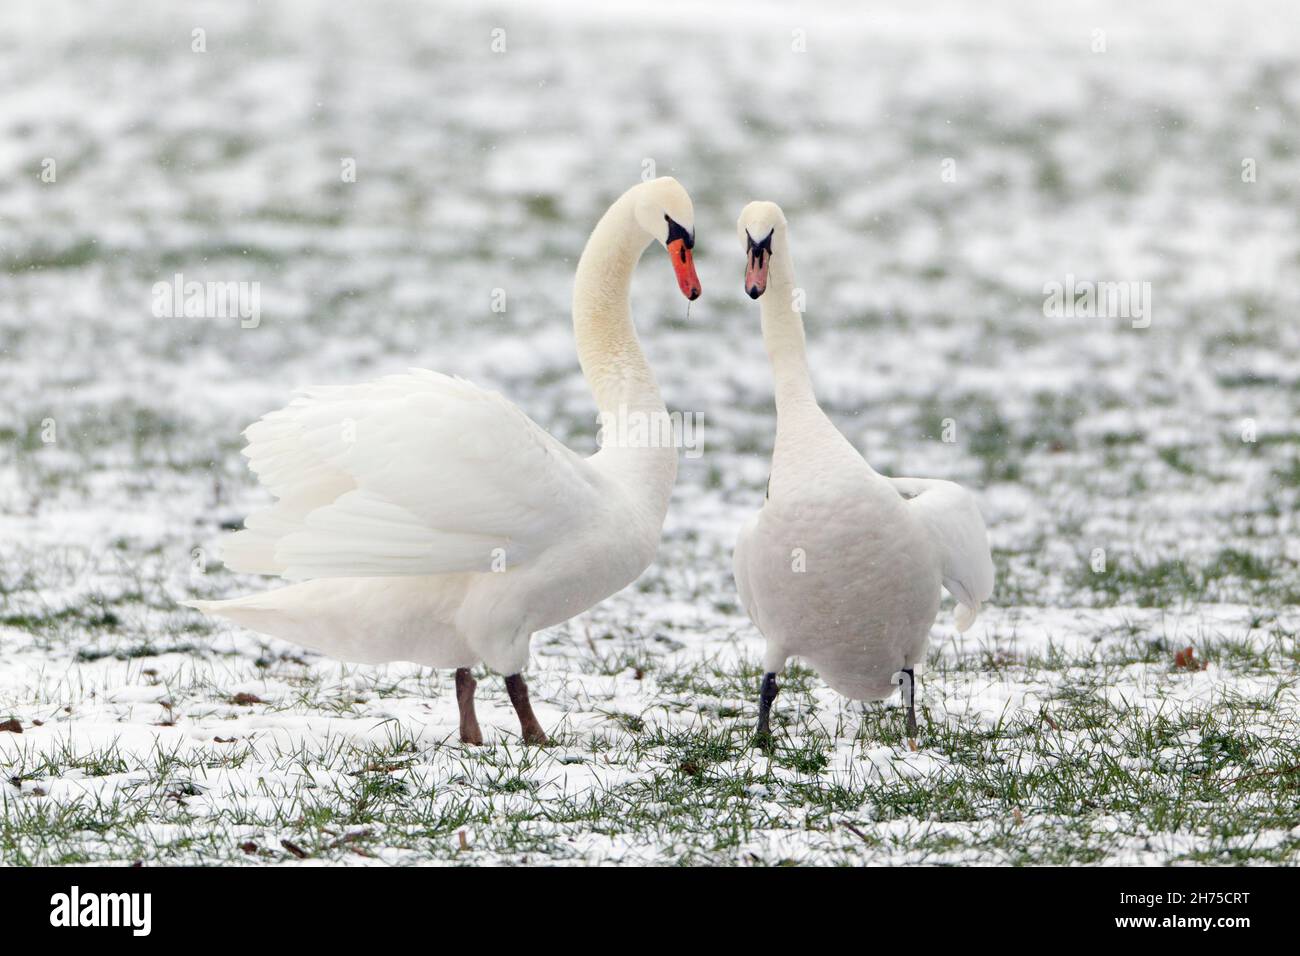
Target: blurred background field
x=480, y=170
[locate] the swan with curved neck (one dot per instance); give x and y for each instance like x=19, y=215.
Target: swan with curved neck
x=428, y=520
x=842, y=566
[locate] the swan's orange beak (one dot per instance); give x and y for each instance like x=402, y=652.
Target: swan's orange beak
x=684, y=265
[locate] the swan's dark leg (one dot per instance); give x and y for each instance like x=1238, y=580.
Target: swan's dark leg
x=532, y=730
x=465, y=684
x=909, y=694
x=763, y=735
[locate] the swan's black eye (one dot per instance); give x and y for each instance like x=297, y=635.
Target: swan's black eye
x=675, y=232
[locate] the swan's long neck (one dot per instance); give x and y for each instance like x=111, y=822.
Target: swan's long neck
x=614, y=365
x=608, y=349
x=783, y=335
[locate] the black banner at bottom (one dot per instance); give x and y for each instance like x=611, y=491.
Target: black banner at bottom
x=304, y=904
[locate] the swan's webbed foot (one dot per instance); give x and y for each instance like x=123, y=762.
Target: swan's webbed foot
x=528, y=724
x=469, y=729
x=763, y=735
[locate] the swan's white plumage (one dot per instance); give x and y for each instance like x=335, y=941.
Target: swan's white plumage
x=842, y=566
x=419, y=473
x=429, y=520
x=952, y=518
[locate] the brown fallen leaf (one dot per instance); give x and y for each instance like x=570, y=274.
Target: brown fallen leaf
x=380, y=767
x=12, y=726
x=350, y=837
x=1294, y=768
x=295, y=849
x=224, y=740
x=464, y=841
x=855, y=831
x=246, y=699
x=248, y=846
x=1186, y=659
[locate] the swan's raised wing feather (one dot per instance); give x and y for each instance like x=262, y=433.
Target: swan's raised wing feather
x=418, y=473
x=296, y=474
x=953, y=519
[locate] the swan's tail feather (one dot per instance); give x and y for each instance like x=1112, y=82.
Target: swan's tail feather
x=256, y=615
x=308, y=617
x=362, y=620
x=966, y=615
x=212, y=607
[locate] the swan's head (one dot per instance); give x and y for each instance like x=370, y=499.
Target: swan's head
x=760, y=227
x=664, y=210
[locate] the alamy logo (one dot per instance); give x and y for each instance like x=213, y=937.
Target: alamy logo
x=103, y=909
x=181, y=299
x=651, y=428
x=1083, y=299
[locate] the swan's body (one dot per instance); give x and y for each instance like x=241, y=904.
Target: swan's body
x=432, y=521
x=843, y=567
x=427, y=484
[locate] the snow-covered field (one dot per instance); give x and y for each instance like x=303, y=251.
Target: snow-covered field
x=939, y=164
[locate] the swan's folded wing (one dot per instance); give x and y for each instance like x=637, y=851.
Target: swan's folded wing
x=740, y=568
x=421, y=474
x=956, y=525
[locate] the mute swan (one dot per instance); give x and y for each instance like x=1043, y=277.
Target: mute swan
x=432, y=521
x=842, y=567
